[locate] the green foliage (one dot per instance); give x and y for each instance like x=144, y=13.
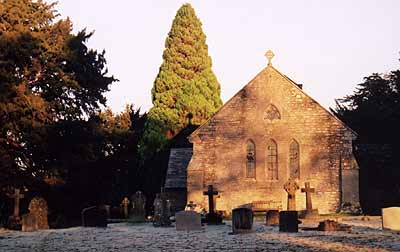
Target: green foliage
x=48, y=76
x=185, y=83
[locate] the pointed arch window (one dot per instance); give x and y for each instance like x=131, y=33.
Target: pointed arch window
x=272, y=160
x=294, y=161
x=250, y=159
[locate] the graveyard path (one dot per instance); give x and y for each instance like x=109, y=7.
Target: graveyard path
x=366, y=236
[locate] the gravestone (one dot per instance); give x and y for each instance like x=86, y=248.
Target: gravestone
x=212, y=218
x=272, y=217
x=125, y=204
x=291, y=186
x=242, y=220
x=95, y=216
x=38, y=208
x=391, y=218
x=14, y=221
x=138, y=212
x=162, y=210
x=310, y=213
x=29, y=223
x=187, y=221
x=288, y=221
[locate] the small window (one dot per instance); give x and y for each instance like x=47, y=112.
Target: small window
x=272, y=113
x=272, y=160
x=250, y=159
x=294, y=162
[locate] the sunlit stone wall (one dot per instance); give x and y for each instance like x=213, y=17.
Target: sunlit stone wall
x=219, y=154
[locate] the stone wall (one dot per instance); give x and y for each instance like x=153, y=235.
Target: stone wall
x=219, y=154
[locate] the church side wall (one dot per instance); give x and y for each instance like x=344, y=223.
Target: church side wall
x=220, y=149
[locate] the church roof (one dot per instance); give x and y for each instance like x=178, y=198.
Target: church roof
x=270, y=67
x=180, y=140
x=179, y=159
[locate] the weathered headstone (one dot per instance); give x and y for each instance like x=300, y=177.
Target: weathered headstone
x=310, y=212
x=212, y=217
x=138, y=213
x=125, y=204
x=391, y=218
x=162, y=210
x=272, y=217
x=38, y=208
x=291, y=186
x=29, y=223
x=187, y=221
x=157, y=210
x=288, y=221
x=242, y=220
x=14, y=221
x=95, y=216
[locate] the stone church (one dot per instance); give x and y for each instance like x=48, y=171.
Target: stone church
x=270, y=131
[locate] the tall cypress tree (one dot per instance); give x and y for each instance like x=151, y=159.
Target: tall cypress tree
x=184, y=85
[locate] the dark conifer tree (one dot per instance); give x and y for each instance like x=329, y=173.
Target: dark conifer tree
x=47, y=76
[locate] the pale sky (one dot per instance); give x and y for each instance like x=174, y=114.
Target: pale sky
x=328, y=46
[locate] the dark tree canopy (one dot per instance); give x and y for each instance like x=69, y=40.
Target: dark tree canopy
x=373, y=110
x=185, y=83
x=47, y=76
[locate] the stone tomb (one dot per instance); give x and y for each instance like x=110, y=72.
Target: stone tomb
x=38, y=208
x=188, y=221
x=272, y=217
x=331, y=225
x=391, y=218
x=242, y=220
x=288, y=221
x=29, y=223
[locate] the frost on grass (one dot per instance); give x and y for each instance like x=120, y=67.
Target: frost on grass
x=364, y=236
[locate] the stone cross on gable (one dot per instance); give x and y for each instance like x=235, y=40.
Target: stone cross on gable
x=210, y=193
x=291, y=187
x=269, y=54
x=16, y=196
x=308, y=190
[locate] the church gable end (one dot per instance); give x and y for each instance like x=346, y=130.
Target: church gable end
x=290, y=136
